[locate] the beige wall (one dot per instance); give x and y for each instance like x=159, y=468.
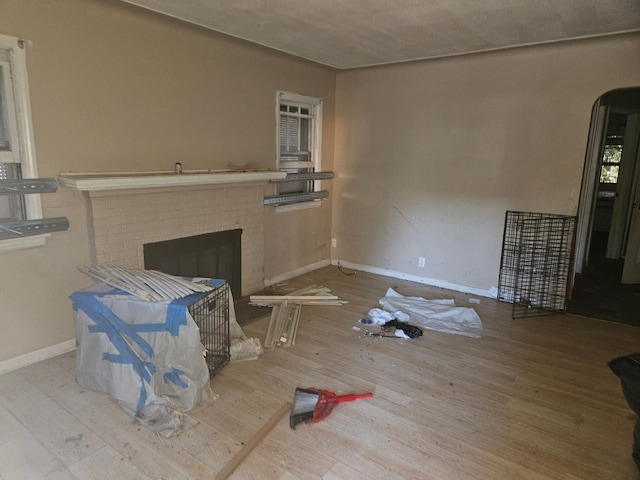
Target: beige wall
x=428, y=155
x=117, y=88
x=431, y=154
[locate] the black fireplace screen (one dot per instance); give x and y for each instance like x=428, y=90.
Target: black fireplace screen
x=537, y=256
x=211, y=255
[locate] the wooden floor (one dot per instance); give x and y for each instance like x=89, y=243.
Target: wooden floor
x=531, y=399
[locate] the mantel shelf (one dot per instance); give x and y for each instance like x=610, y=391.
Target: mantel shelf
x=91, y=182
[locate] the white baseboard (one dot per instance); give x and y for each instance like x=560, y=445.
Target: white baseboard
x=414, y=278
x=296, y=273
x=37, y=356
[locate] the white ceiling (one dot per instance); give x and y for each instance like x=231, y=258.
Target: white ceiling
x=356, y=33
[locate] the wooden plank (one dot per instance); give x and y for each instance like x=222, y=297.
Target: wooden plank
x=146, y=284
x=250, y=446
x=271, y=299
x=293, y=326
x=268, y=341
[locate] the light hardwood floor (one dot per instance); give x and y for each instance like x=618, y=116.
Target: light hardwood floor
x=531, y=399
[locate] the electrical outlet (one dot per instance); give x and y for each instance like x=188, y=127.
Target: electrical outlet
x=421, y=261
x=333, y=243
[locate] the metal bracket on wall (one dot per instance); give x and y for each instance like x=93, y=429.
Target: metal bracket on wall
x=295, y=198
x=28, y=228
x=28, y=185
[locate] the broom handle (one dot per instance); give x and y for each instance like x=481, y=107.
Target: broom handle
x=350, y=397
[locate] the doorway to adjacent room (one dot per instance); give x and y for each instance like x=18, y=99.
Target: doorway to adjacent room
x=607, y=280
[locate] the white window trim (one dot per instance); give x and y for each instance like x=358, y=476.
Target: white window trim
x=13, y=155
x=316, y=147
x=25, y=136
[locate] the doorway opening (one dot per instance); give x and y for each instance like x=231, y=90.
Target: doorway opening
x=607, y=263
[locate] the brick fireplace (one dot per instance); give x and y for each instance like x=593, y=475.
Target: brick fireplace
x=122, y=220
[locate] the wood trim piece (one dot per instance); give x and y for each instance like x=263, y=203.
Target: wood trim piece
x=253, y=442
x=275, y=299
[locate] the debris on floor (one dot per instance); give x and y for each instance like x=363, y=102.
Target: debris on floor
x=402, y=329
x=285, y=314
x=391, y=329
x=439, y=315
x=240, y=346
x=396, y=334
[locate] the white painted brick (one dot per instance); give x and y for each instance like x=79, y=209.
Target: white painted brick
x=124, y=223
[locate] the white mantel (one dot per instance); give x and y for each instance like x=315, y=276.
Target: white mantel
x=91, y=182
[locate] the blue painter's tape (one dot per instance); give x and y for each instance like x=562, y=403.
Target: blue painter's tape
x=116, y=329
x=214, y=282
x=109, y=323
x=174, y=377
x=142, y=399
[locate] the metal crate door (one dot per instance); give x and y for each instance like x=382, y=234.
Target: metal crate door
x=537, y=254
x=211, y=314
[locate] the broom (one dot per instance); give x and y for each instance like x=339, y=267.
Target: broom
x=311, y=405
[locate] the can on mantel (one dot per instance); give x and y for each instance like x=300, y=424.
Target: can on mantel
x=178, y=167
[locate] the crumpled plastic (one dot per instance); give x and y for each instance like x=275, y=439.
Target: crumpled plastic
x=380, y=317
x=440, y=315
x=241, y=347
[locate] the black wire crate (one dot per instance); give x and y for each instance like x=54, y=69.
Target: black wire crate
x=211, y=314
x=537, y=256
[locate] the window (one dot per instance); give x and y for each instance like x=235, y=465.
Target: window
x=17, y=152
x=299, y=139
x=611, y=162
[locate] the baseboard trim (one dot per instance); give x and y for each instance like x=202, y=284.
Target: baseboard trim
x=414, y=278
x=296, y=273
x=37, y=356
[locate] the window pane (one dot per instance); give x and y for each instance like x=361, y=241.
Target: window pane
x=609, y=174
x=4, y=131
x=302, y=186
x=12, y=207
x=612, y=154
x=289, y=134
x=304, y=134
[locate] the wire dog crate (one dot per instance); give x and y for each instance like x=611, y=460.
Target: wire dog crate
x=537, y=255
x=211, y=314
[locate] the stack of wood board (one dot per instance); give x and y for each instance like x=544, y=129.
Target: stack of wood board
x=285, y=314
x=149, y=285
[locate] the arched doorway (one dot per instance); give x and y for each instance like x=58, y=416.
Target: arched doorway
x=607, y=281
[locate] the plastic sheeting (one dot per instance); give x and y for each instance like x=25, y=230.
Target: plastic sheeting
x=440, y=315
x=146, y=355
x=241, y=347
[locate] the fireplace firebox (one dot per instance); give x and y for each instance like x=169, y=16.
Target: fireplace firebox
x=210, y=255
